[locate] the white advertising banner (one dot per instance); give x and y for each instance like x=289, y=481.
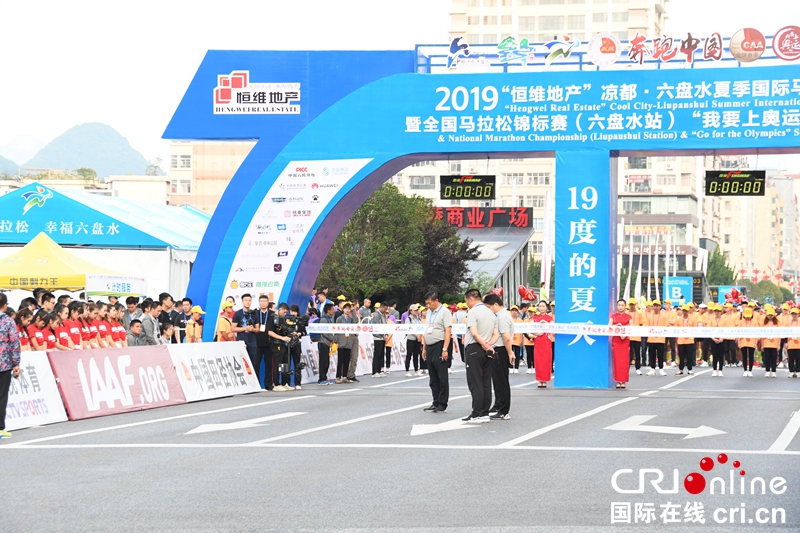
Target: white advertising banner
x=103, y=285
x=291, y=207
x=33, y=399
x=213, y=370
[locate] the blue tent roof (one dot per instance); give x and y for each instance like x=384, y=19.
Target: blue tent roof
x=82, y=218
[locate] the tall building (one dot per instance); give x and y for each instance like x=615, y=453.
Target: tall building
x=490, y=21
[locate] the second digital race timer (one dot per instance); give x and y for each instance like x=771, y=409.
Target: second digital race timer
x=467, y=187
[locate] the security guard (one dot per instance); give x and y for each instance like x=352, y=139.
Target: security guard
x=503, y=359
x=479, y=340
x=435, y=341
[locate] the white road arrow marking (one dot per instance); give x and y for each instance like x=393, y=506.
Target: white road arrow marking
x=424, y=429
x=634, y=423
x=242, y=424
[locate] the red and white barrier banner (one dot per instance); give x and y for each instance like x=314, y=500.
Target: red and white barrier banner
x=213, y=370
x=116, y=380
x=33, y=399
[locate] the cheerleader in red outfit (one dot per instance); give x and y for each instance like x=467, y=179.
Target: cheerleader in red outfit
x=542, y=348
x=620, y=346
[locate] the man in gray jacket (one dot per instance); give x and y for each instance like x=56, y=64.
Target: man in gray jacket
x=325, y=340
x=150, y=326
x=379, y=342
x=347, y=342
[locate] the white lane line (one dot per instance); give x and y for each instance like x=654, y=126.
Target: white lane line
x=682, y=380
x=145, y=422
x=348, y=422
x=490, y=448
x=568, y=421
x=408, y=380
x=341, y=391
x=787, y=435
x=648, y=393
x=525, y=384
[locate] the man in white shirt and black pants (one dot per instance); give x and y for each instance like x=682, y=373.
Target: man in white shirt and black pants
x=435, y=341
x=481, y=335
x=503, y=359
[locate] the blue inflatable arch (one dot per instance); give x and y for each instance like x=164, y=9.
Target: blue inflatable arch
x=333, y=126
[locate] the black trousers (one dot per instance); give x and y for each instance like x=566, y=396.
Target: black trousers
x=673, y=348
x=460, y=341
x=748, y=358
x=769, y=356
x=645, y=359
x=324, y=362
x=729, y=347
x=296, y=354
x=388, y=355
x=378, y=353
x=262, y=353
x=413, y=351
x=450, y=355
x=5, y=384
x=656, y=354
x=686, y=355
x=437, y=374
x=517, y=355
x=280, y=356
x=479, y=379
x=342, y=362
x=529, y=355
x=794, y=360
x=717, y=355
x=636, y=353
x=502, y=388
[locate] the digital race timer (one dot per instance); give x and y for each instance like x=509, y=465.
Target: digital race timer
x=466, y=187
x=735, y=182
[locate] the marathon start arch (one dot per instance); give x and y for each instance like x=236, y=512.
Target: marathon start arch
x=333, y=126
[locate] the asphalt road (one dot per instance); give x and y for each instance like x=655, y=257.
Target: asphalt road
x=349, y=458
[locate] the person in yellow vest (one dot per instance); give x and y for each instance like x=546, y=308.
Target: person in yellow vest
x=672, y=318
x=748, y=345
x=637, y=319
x=686, y=353
x=516, y=340
x=783, y=320
x=701, y=319
x=793, y=343
x=656, y=346
x=731, y=320
x=770, y=345
x=717, y=347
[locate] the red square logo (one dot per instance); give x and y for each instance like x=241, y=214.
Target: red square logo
x=223, y=96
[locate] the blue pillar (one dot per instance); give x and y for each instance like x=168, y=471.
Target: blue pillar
x=585, y=257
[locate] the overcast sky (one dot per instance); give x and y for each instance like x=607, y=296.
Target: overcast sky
x=69, y=62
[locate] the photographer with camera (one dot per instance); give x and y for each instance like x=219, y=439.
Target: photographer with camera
x=244, y=325
x=280, y=335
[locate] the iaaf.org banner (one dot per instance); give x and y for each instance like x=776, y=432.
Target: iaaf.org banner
x=583, y=329
x=33, y=399
x=366, y=348
x=213, y=370
x=116, y=380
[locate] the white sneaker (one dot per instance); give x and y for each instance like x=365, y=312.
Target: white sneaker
x=288, y=388
x=745, y=374
x=714, y=374
x=774, y=375
x=529, y=371
x=383, y=375
x=720, y=373
x=298, y=388
x=449, y=370
x=661, y=372
x=376, y=375
x=690, y=373
x=638, y=371
x=279, y=388
x=408, y=374
x=704, y=364
x=652, y=372
x=766, y=374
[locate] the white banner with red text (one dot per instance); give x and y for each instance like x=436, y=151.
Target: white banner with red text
x=213, y=370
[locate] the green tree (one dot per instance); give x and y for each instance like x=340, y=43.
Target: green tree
x=787, y=295
x=86, y=173
x=719, y=272
x=753, y=292
x=394, y=246
x=483, y=281
x=770, y=293
x=154, y=169
x=535, y=275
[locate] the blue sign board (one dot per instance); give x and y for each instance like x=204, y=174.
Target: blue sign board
x=678, y=289
x=334, y=126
